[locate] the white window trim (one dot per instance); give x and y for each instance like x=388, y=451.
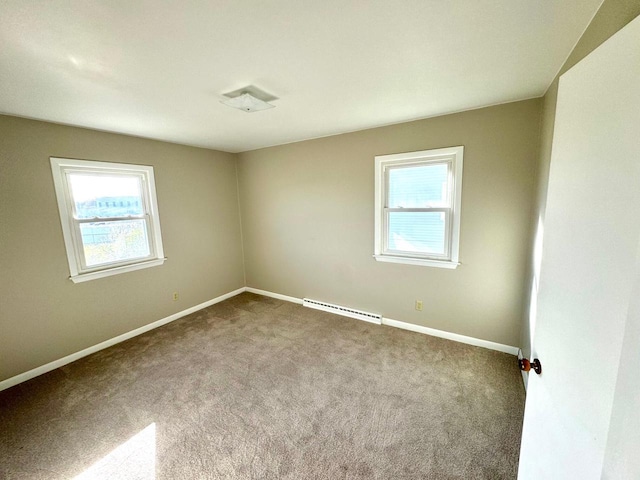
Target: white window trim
x=73, y=244
x=451, y=154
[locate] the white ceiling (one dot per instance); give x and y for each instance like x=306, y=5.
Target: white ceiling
x=158, y=68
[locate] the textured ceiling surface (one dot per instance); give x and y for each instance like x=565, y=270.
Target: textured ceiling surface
x=158, y=69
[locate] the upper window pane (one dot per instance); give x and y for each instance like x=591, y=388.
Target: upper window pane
x=419, y=186
x=106, y=196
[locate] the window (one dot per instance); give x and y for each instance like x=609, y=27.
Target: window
x=109, y=217
x=417, y=207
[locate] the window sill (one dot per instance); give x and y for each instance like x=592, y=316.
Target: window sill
x=84, y=277
x=417, y=261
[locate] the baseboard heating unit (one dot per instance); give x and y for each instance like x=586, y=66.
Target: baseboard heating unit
x=344, y=311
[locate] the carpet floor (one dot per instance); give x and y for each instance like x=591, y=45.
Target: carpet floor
x=258, y=388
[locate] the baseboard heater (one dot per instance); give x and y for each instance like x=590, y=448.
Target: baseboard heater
x=344, y=311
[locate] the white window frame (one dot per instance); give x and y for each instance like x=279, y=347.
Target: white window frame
x=453, y=158
x=61, y=168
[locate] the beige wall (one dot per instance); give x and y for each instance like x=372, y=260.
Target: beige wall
x=611, y=17
x=307, y=217
x=43, y=315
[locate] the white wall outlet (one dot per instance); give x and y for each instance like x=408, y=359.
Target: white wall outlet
x=419, y=305
x=175, y=296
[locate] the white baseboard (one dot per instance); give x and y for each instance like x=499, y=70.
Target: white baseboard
x=23, y=377
x=456, y=337
x=413, y=327
x=286, y=298
x=525, y=375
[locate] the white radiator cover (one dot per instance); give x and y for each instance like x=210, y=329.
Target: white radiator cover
x=344, y=311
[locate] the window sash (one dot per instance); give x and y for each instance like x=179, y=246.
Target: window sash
x=450, y=183
x=447, y=210
x=110, y=219
x=140, y=176
x=80, y=245
x=77, y=222
x=446, y=255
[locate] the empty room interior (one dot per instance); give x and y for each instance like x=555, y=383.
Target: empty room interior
x=320, y=240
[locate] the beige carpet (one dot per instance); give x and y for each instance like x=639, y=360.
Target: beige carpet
x=257, y=388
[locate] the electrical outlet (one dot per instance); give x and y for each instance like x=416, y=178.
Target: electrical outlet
x=419, y=305
x=175, y=296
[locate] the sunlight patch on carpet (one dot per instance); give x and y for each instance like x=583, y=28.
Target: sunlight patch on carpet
x=133, y=459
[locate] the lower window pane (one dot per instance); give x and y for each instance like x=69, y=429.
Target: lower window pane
x=422, y=232
x=108, y=242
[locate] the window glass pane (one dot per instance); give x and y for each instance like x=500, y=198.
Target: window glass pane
x=417, y=232
x=418, y=187
x=106, y=242
x=106, y=196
